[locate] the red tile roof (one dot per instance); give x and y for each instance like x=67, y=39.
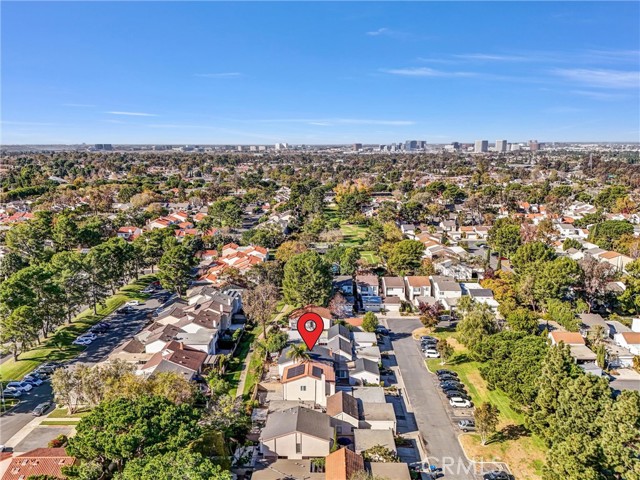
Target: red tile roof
x=342, y=464
x=41, y=461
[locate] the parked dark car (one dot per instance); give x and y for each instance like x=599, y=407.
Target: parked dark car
x=41, y=409
x=448, y=378
x=456, y=393
x=451, y=383
x=497, y=475
x=446, y=372
x=380, y=330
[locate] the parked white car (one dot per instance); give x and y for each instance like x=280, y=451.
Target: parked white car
x=33, y=380
x=22, y=386
x=90, y=335
x=457, y=402
x=132, y=303
x=82, y=341
x=431, y=353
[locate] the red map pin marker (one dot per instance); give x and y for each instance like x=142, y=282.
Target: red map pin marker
x=310, y=328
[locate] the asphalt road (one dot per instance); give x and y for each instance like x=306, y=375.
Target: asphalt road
x=431, y=415
x=123, y=327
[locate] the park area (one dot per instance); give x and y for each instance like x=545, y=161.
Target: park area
x=512, y=443
x=58, y=347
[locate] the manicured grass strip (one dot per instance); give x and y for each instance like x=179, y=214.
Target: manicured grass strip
x=60, y=422
x=59, y=347
x=234, y=368
x=62, y=413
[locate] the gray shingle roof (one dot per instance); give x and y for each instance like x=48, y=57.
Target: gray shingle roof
x=338, y=329
x=366, y=365
x=298, y=419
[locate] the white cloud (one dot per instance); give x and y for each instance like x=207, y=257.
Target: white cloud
x=600, y=77
x=599, y=95
x=380, y=31
x=495, y=57
x=133, y=114
x=426, y=72
x=326, y=122
x=219, y=75
x=387, y=32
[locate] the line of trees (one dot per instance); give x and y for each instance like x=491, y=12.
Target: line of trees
x=589, y=432
x=53, y=287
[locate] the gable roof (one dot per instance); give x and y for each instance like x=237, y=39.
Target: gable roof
x=178, y=354
x=338, y=329
x=297, y=419
x=632, y=338
x=41, y=461
x=309, y=369
x=418, y=281
x=366, y=365
x=342, y=464
x=342, y=402
x=367, y=280
x=393, y=282
x=323, y=312
x=569, y=338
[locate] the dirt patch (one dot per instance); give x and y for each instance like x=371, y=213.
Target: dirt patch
x=419, y=332
x=457, y=346
x=523, y=457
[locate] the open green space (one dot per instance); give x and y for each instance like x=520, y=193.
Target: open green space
x=354, y=235
x=58, y=346
x=523, y=452
x=63, y=413
x=70, y=421
x=236, y=363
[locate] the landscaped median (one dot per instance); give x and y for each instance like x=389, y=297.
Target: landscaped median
x=59, y=347
x=512, y=444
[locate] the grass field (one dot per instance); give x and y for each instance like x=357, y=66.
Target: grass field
x=62, y=413
x=354, y=235
x=523, y=452
x=60, y=422
x=58, y=347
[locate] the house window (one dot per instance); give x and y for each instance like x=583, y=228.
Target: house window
x=303, y=388
x=298, y=447
x=338, y=429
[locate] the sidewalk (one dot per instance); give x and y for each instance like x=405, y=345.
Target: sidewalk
x=245, y=367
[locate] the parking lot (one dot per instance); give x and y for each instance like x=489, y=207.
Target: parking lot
x=123, y=326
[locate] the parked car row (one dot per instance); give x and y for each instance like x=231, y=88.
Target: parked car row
x=453, y=389
x=15, y=389
x=89, y=336
x=429, y=345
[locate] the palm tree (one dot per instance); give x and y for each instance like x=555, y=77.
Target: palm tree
x=299, y=353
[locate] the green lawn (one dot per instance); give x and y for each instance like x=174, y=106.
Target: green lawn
x=354, y=235
x=234, y=367
x=60, y=422
x=65, y=350
x=62, y=413
x=370, y=257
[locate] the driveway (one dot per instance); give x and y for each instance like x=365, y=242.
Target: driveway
x=428, y=408
x=123, y=327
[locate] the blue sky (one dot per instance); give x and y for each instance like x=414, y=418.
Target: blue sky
x=259, y=73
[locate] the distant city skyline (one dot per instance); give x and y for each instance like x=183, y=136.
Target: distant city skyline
x=319, y=73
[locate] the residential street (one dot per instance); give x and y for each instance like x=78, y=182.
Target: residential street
x=123, y=327
x=431, y=415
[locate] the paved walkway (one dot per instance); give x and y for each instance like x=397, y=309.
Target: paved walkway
x=245, y=367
